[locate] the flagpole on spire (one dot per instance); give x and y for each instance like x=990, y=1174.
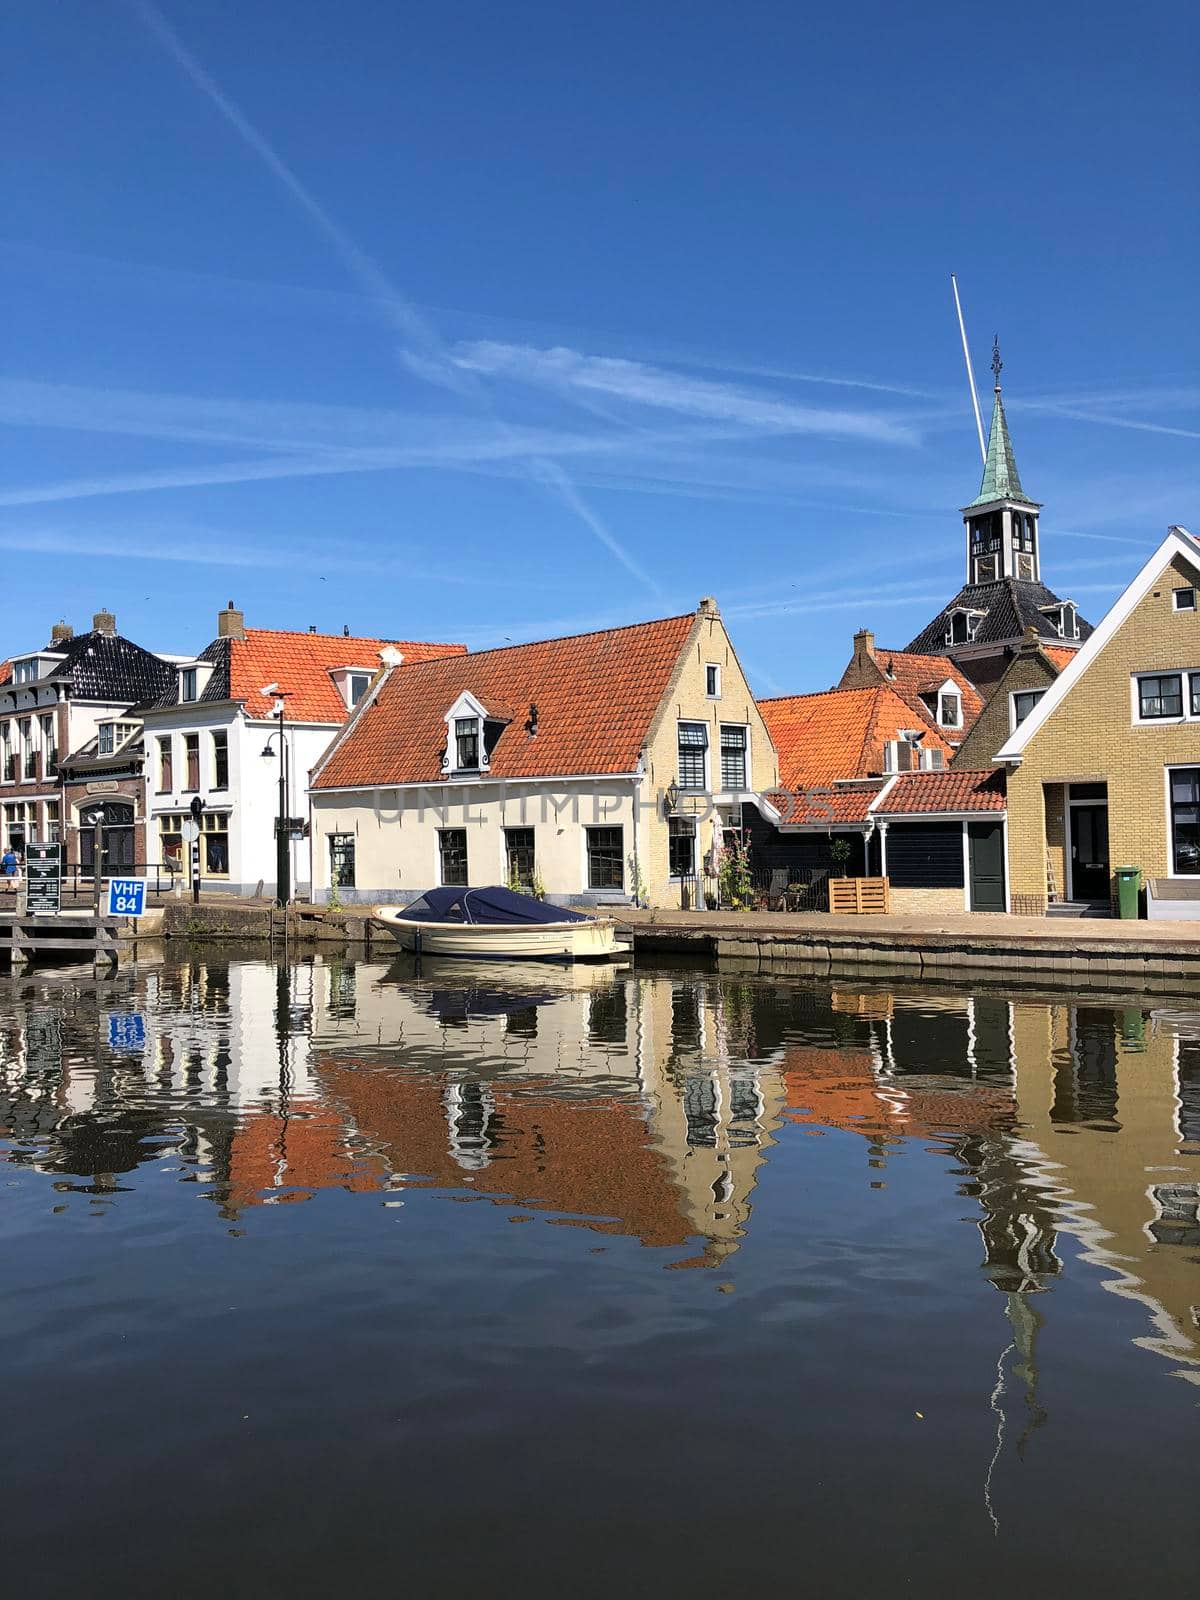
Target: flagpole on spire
x=970, y=374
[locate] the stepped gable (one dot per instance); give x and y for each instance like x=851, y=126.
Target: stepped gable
x=596, y=695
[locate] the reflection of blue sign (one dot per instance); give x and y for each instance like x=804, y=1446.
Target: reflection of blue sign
x=126, y=897
x=126, y=1031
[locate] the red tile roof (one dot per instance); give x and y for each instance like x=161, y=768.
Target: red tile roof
x=300, y=663
x=1058, y=655
x=5, y=671
x=911, y=675
x=822, y=807
x=596, y=694
x=917, y=792
x=839, y=734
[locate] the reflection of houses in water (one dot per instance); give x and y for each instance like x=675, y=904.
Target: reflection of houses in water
x=603, y=1098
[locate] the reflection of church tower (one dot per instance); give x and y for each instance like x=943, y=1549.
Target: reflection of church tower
x=1004, y=595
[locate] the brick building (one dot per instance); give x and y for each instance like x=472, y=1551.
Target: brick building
x=1025, y=680
x=1104, y=772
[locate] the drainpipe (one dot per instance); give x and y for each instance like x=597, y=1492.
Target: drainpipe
x=637, y=828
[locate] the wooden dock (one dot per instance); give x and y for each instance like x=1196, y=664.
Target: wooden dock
x=68, y=936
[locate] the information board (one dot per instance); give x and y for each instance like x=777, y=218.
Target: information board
x=43, y=873
x=126, y=897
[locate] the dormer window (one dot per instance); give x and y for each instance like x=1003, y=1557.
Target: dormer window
x=1063, y=620
x=949, y=709
x=351, y=683
x=466, y=744
x=189, y=684
x=961, y=626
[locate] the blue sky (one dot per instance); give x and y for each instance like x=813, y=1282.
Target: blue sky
x=479, y=322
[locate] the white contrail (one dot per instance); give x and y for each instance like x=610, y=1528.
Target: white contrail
x=431, y=361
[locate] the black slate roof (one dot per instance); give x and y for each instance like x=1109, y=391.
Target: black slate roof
x=107, y=666
x=1009, y=606
x=217, y=687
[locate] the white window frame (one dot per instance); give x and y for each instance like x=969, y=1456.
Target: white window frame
x=464, y=709
x=1013, y=695
x=949, y=688
x=1168, y=839
x=1191, y=602
x=714, y=667
x=706, y=786
x=1185, y=676
x=745, y=727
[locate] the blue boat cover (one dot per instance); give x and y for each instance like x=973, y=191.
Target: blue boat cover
x=495, y=905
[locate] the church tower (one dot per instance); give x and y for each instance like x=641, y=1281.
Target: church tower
x=983, y=626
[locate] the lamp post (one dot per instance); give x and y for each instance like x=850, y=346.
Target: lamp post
x=671, y=798
x=283, y=848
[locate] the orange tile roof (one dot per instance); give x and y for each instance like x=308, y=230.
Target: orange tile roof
x=5, y=671
x=1059, y=656
x=910, y=675
x=822, y=807
x=840, y=733
x=300, y=663
x=596, y=694
x=917, y=792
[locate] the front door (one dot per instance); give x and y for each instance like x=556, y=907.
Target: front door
x=1089, y=853
x=985, y=848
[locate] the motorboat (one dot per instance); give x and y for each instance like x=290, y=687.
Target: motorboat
x=497, y=924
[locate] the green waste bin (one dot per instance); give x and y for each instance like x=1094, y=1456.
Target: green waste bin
x=1128, y=883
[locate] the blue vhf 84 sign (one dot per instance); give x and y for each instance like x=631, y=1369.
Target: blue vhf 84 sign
x=126, y=897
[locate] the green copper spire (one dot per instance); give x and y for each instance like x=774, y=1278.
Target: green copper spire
x=1001, y=480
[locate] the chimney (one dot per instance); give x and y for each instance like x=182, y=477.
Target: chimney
x=61, y=632
x=708, y=607
x=864, y=644
x=231, y=623
x=104, y=622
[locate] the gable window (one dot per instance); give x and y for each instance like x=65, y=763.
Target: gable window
x=1184, y=783
x=1023, y=702
x=166, y=781
x=733, y=757
x=452, y=857
x=189, y=680
x=949, y=710
x=357, y=685
x=1160, y=696
x=1184, y=599
x=466, y=744
x=693, y=755
x=104, y=741
x=220, y=757
x=518, y=856
x=606, y=858
x=681, y=846
x=191, y=751
x=712, y=681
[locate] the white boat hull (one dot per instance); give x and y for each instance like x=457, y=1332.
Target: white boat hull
x=594, y=939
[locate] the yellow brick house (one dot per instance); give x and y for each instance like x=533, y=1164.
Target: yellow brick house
x=1104, y=772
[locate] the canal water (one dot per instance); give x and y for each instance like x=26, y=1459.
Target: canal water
x=328, y=1275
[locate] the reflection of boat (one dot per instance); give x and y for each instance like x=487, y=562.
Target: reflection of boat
x=495, y=924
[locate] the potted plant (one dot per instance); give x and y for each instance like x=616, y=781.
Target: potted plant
x=839, y=854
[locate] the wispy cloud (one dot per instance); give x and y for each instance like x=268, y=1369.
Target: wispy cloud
x=573, y=373
x=423, y=349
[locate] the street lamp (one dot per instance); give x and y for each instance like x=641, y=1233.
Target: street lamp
x=671, y=798
x=283, y=850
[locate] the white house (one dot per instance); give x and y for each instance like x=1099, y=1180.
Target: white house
x=215, y=736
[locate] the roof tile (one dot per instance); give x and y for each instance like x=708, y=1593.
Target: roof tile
x=840, y=733
x=949, y=790
x=596, y=694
